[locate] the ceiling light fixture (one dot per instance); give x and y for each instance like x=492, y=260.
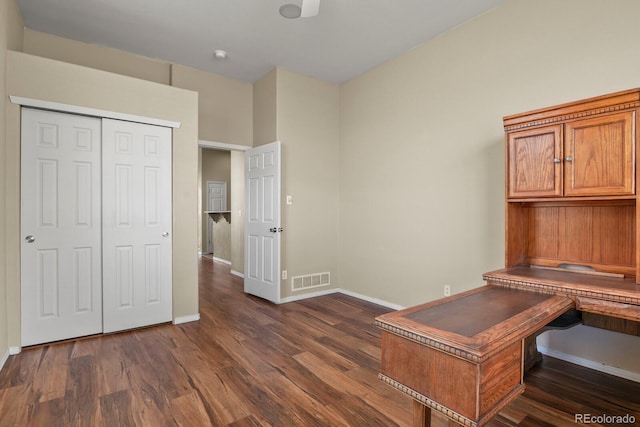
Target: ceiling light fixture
x=290, y=11
x=220, y=54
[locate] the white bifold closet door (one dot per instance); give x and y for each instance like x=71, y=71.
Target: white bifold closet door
x=95, y=223
x=136, y=224
x=61, y=251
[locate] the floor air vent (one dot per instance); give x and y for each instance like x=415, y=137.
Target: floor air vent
x=310, y=281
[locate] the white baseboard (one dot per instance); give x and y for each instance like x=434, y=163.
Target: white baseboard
x=372, y=300
x=186, y=319
x=237, y=273
x=341, y=291
x=15, y=350
x=4, y=359
x=224, y=261
x=308, y=295
x=596, y=366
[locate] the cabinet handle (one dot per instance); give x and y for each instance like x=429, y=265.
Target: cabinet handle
x=556, y=160
x=569, y=159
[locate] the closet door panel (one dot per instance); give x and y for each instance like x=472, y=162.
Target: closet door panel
x=137, y=285
x=61, y=295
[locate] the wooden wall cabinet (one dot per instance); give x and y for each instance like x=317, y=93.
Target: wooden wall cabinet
x=571, y=185
x=599, y=155
x=534, y=162
x=589, y=157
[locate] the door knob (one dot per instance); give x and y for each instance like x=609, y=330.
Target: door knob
x=165, y=234
x=569, y=159
x=29, y=239
x=556, y=160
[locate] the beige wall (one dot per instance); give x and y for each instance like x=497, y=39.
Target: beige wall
x=40, y=78
x=302, y=113
x=264, y=109
x=421, y=140
x=595, y=345
x=224, y=107
x=10, y=38
x=94, y=56
x=12, y=35
x=307, y=126
x=237, y=211
x=222, y=239
x=216, y=166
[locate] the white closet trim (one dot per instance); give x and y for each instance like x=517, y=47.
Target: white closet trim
x=86, y=111
x=222, y=145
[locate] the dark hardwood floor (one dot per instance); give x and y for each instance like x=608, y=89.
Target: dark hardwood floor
x=251, y=363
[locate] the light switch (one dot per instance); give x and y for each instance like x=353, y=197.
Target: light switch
x=289, y=200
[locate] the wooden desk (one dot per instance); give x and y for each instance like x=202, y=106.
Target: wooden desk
x=463, y=355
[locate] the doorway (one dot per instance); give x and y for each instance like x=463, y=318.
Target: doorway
x=219, y=162
x=237, y=205
x=216, y=191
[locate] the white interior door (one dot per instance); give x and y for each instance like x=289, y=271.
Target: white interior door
x=60, y=224
x=262, y=222
x=136, y=194
x=217, y=196
x=216, y=201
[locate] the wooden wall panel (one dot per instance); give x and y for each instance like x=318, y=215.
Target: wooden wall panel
x=600, y=235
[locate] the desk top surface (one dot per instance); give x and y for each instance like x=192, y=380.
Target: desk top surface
x=477, y=312
x=619, y=289
x=478, y=322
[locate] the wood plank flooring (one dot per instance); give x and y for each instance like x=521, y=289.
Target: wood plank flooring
x=251, y=363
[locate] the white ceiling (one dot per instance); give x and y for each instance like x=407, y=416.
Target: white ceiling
x=346, y=38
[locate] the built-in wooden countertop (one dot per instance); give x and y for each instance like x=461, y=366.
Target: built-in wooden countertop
x=595, y=293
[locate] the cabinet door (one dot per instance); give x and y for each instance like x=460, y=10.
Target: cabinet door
x=533, y=162
x=599, y=156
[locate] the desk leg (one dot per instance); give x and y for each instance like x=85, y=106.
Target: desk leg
x=421, y=415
